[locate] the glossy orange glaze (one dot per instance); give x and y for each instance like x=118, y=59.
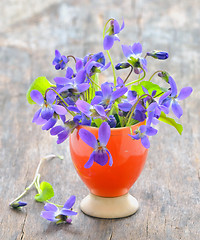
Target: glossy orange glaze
x=129, y=157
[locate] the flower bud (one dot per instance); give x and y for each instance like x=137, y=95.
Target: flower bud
x=122, y=66
x=18, y=204
x=164, y=76
x=158, y=55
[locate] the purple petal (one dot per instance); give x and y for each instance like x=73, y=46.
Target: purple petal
x=101, y=157
x=152, y=106
x=111, y=160
x=67, y=212
x=47, y=112
x=143, y=129
x=80, y=77
x=83, y=106
x=70, y=202
x=118, y=93
x=50, y=207
x=106, y=66
x=69, y=73
x=106, y=89
x=184, y=93
x=137, y=48
x=136, y=137
x=108, y=42
x=51, y=96
x=83, y=87
x=100, y=110
x=126, y=107
x=63, y=136
x=49, y=124
x=122, y=26
x=176, y=108
x=49, y=215
x=151, y=131
x=36, y=115
x=57, y=54
x=145, y=142
x=127, y=50
x=96, y=100
x=40, y=121
x=116, y=27
x=88, y=138
x=104, y=133
x=61, y=80
x=37, y=97
x=90, y=162
x=59, y=109
x=173, y=87
x=164, y=96
x=56, y=130
x=79, y=65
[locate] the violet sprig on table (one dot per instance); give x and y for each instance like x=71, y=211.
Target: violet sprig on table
x=77, y=98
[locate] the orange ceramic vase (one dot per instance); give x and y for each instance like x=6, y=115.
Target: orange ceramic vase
x=128, y=155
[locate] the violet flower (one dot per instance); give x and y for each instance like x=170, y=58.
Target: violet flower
x=59, y=61
x=133, y=53
x=142, y=132
x=111, y=37
x=18, y=204
x=170, y=98
x=100, y=152
x=48, y=107
x=53, y=213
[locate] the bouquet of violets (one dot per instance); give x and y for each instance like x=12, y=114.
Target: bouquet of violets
x=77, y=98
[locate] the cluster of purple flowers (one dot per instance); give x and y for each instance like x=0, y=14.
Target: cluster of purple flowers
x=78, y=99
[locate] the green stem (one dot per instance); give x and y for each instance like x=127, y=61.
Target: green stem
x=138, y=80
x=109, y=56
x=154, y=75
x=128, y=74
x=35, y=177
x=113, y=68
x=130, y=114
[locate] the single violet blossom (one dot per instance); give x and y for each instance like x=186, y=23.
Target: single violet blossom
x=112, y=32
x=59, y=61
x=133, y=53
x=107, y=96
x=53, y=214
x=90, y=110
x=48, y=107
x=170, y=98
x=142, y=133
x=100, y=152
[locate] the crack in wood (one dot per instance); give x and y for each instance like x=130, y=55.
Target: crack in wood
x=22, y=232
x=110, y=236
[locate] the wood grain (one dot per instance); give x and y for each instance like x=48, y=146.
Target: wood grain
x=168, y=188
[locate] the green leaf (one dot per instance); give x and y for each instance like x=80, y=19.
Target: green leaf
x=149, y=86
x=46, y=192
x=41, y=84
x=171, y=122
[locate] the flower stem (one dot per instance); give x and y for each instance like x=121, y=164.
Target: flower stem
x=130, y=113
x=35, y=177
x=138, y=80
x=109, y=56
x=154, y=75
x=128, y=74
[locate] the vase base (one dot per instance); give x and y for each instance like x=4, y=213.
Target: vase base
x=105, y=207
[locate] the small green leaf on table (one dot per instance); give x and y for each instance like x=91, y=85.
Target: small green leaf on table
x=46, y=192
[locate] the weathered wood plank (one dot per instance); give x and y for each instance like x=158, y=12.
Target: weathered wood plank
x=168, y=188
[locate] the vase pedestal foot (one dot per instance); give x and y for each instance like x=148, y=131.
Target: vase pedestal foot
x=105, y=207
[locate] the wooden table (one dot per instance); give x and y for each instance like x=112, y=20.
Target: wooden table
x=168, y=188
